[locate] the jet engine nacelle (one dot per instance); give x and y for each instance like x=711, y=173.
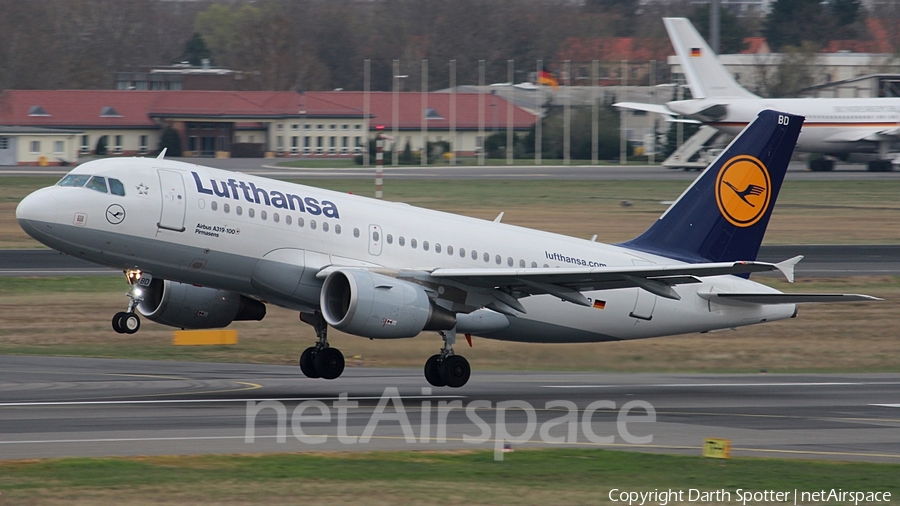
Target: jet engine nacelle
x=196, y=307
x=367, y=304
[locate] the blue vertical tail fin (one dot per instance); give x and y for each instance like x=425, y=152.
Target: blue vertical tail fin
x=723, y=215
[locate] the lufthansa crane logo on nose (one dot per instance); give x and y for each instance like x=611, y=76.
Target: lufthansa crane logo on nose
x=743, y=190
x=115, y=214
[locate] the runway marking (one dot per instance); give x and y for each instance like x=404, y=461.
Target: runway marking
x=157, y=376
x=184, y=401
x=623, y=446
x=701, y=385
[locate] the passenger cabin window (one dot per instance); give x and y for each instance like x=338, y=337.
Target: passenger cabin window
x=238, y=210
x=401, y=241
x=287, y=219
x=116, y=187
x=389, y=238
x=74, y=180
x=312, y=224
x=412, y=243
x=355, y=232
x=251, y=213
x=337, y=229
x=324, y=226
x=300, y=222
x=97, y=183
x=226, y=208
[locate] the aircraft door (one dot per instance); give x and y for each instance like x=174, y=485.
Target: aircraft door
x=174, y=199
x=375, y=240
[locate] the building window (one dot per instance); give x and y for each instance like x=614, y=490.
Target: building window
x=144, y=143
x=35, y=146
x=118, y=145
x=85, y=143
x=58, y=147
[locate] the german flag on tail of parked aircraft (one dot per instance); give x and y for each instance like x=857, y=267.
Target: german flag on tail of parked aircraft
x=547, y=78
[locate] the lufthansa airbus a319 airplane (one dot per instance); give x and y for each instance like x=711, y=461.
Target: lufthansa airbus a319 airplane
x=203, y=247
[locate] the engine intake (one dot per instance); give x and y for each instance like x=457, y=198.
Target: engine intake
x=368, y=304
x=196, y=307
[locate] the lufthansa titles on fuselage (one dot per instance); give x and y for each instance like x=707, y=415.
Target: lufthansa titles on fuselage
x=239, y=190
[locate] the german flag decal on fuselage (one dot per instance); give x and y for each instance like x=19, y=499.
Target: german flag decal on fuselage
x=743, y=190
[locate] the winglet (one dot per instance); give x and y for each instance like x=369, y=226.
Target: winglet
x=162, y=154
x=499, y=217
x=787, y=267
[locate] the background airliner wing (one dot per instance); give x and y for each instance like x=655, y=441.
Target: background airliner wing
x=864, y=134
x=640, y=106
x=568, y=283
x=670, y=115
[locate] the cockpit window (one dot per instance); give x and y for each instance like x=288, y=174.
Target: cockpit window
x=116, y=187
x=97, y=183
x=76, y=180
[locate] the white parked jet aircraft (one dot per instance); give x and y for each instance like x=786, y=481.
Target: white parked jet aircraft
x=833, y=126
x=203, y=247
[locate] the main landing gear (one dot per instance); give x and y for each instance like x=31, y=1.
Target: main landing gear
x=128, y=322
x=321, y=360
x=445, y=368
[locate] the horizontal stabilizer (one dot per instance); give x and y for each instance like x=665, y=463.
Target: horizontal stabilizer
x=785, y=298
x=640, y=106
x=787, y=267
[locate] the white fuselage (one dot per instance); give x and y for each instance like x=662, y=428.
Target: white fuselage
x=226, y=233
x=832, y=125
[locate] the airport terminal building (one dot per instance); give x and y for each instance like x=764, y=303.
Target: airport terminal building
x=53, y=127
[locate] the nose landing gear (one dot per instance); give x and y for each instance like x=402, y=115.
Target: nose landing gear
x=128, y=322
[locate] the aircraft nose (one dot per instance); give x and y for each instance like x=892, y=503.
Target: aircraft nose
x=38, y=206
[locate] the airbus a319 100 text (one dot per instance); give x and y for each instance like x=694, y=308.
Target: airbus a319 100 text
x=203, y=247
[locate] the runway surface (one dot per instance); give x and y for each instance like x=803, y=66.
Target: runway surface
x=269, y=168
x=819, y=261
x=51, y=407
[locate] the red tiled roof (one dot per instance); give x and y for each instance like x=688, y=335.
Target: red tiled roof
x=136, y=109
x=755, y=45
x=77, y=108
x=880, y=41
x=614, y=49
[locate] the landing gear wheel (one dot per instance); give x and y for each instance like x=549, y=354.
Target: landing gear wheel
x=117, y=322
x=126, y=323
x=307, y=362
x=455, y=371
x=329, y=363
x=433, y=371
x=130, y=323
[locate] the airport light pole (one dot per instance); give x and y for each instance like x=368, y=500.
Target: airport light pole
x=509, y=113
x=424, y=117
x=396, y=111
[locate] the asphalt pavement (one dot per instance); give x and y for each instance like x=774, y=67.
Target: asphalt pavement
x=55, y=406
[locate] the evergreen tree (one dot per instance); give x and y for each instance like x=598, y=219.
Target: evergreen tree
x=195, y=50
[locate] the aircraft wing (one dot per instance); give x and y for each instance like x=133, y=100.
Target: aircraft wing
x=640, y=106
x=785, y=298
x=864, y=134
x=670, y=115
x=568, y=283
